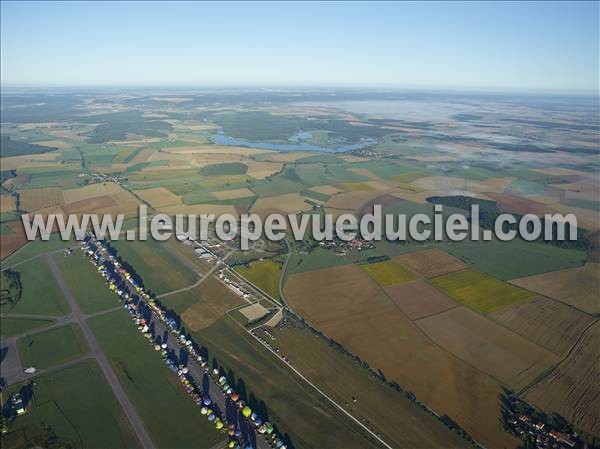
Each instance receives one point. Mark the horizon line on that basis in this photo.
(305, 87)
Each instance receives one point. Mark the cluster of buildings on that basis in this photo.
(341, 248)
(540, 434)
(522, 420)
(142, 308)
(235, 287)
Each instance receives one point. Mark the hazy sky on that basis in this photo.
(474, 45)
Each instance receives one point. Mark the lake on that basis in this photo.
(221, 139)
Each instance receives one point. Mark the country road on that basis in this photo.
(207, 275)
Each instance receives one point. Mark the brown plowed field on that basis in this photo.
(492, 348)
(418, 299)
(573, 389)
(348, 307)
(430, 263)
(550, 324)
(579, 287)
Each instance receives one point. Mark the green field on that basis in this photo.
(41, 295)
(287, 181)
(514, 259)
(388, 273)
(226, 168)
(79, 406)
(53, 347)
(291, 403)
(160, 270)
(322, 258)
(318, 258)
(86, 284)
(16, 326)
(321, 174)
(264, 274)
(37, 247)
(400, 422)
(170, 416)
(478, 291)
(42, 177)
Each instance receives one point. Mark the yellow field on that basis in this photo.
(159, 197)
(352, 200)
(199, 209)
(36, 199)
(260, 170)
(7, 203)
(30, 160)
(90, 191)
(288, 156)
(327, 189)
(356, 186)
(388, 273)
(410, 187)
(264, 274)
(100, 198)
(480, 292)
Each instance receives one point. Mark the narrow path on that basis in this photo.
(32, 317)
(283, 273)
(95, 349)
(22, 376)
(207, 275)
(30, 258)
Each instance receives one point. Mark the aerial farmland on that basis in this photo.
(250, 297)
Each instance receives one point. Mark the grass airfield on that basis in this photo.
(530, 301)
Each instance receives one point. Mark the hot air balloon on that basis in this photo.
(268, 428)
(246, 411)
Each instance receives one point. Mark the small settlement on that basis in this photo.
(522, 420)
